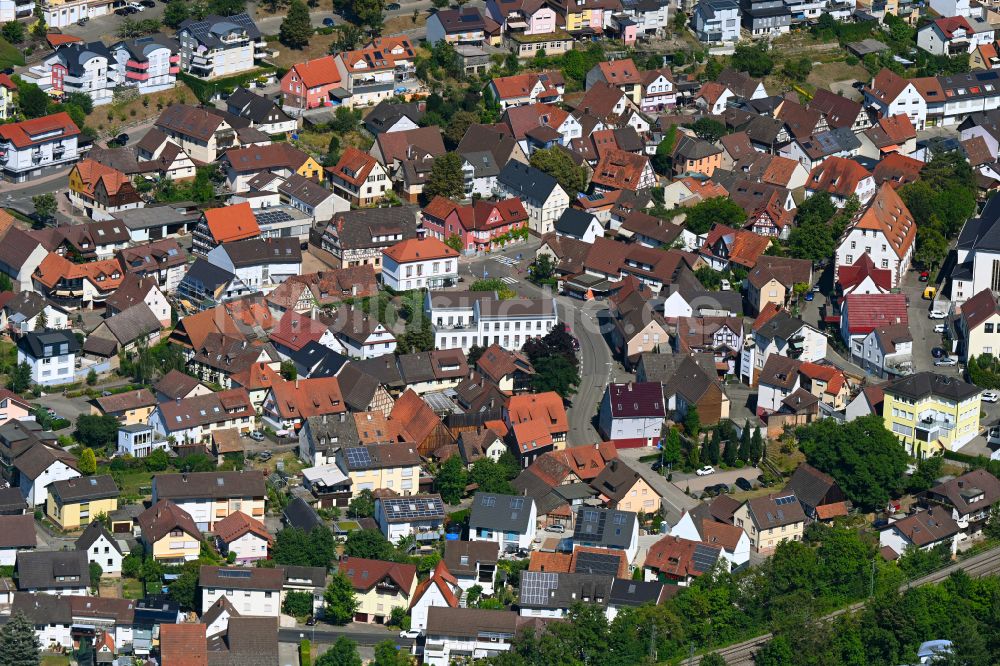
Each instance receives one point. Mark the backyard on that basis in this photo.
(110, 119)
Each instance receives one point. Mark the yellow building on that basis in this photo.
(7, 88)
(131, 407)
(929, 412)
(624, 490)
(169, 533)
(770, 520)
(311, 169)
(379, 587)
(75, 502)
(392, 466)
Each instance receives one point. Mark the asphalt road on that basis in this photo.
(327, 634)
(598, 368)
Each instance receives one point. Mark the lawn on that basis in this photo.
(135, 482)
(55, 660)
(10, 55)
(824, 74)
(131, 588)
(319, 46)
(110, 119)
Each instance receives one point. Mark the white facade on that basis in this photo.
(11, 10)
(52, 635)
(811, 341)
(439, 649)
(140, 441)
(869, 354)
(36, 491)
(248, 547)
(262, 276)
(873, 243)
(66, 14)
(738, 556)
(466, 326)
(909, 102)
(717, 21)
(235, 54)
(769, 397)
(951, 7)
(155, 70)
(521, 539)
(47, 150)
(542, 213)
(379, 343)
(429, 273)
(255, 603)
(932, 39)
(106, 554)
(432, 597)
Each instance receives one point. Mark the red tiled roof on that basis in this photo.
(865, 312)
(619, 72)
(547, 407)
(979, 308)
(39, 130)
(897, 170)
(886, 86)
(295, 330)
(354, 166)
(620, 170)
(674, 556)
(888, 215)
(440, 578)
(745, 247)
(302, 398)
(855, 274)
(949, 25)
(232, 223)
(419, 249)
(836, 175)
(365, 574)
(828, 511)
(236, 524)
(318, 72)
(183, 644)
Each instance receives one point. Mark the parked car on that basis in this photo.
(147, 3)
(991, 396)
(946, 362)
(924, 276)
(311, 621)
(810, 296)
(706, 470)
(83, 21)
(328, 22)
(938, 352)
(392, 7)
(105, 394)
(936, 314)
(264, 456)
(940, 328)
(410, 633)
(256, 436)
(136, 6)
(743, 484)
(557, 528)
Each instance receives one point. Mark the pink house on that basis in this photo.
(530, 17)
(478, 226)
(12, 407)
(307, 85)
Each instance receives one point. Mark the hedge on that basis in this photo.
(974, 462)
(305, 652)
(206, 90)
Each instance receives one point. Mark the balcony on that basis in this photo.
(933, 427)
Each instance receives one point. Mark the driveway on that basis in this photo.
(696, 483)
(675, 501)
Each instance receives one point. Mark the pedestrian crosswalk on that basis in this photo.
(507, 261)
(508, 280)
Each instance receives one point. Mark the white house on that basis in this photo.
(884, 230)
(780, 334)
(696, 526)
(633, 411)
(260, 263)
(887, 350)
(195, 419)
(457, 633)
(717, 21)
(575, 223)
(149, 64)
(102, 548)
(419, 263)
(52, 619)
(219, 45)
(59, 573)
(658, 91)
(778, 379)
(209, 497)
(311, 198)
(890, 94)
(543, 198)
(11, 10)
(472, 563)
(923, 530)
(51, 355)
(507, 520)
(440, 590)
(419, 516)
(78, 68)
(243, 536)
(139, 440)
(31, 147)
(607, 528)
(462, 319)
(362, 334)
(954, 35)
(252, 591)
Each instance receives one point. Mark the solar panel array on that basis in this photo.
(358, 457)
(704, 557)
(517, 503)
(597, 563)
(234, 573)
(591, 523)
(488, 501)
(536, 587)
(272, 217)
(784, 500)
(414, 509)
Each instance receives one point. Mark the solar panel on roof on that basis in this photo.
(536, 586)
(704, 557)
(784, 500)
(405, 508)
(358, 457)
(234, 573)
(597, 563)
(489, 501)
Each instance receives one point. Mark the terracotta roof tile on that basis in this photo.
(39, 130)
(318, 72)
(419, 249)
(232, 223)
(887, 214)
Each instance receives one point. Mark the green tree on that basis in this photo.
(717, 210)
(709, 278)
(289, 371)
(729, 453)
(348, 38)
(753, 58)
(814, 241)
(709, 129)
(297, 604)
(5, 283)
(556, 373)
(671, 447)
(543, 268)
(344, 652)
(692, 421)
(19, 645)
(446, 178)
(744, 451)
(557, 163)
(226, 7)
(932, 247)
(454, 242)
(490, 477)
(20, 378)
(369, 12)
(91, 377)
(451, 480)
(866, 459)
(339, 601)
(87, 462)
(96, 431)
(663, 160)
(296, 28)
(926, 475)
(756, 447)
(710, 453)
(797, 69)
(96, 571)
(362, 506)
(156, 461)
(184, 589)
(387, 654)
(45, 206)
(13, 32)
(369, 544)
(776, 652)
(176, 12)
(459, 125)
(712, 660)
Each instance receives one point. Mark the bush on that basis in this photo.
(305, 652)
(298, 604)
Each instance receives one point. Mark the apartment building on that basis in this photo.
(149, 64)
(219, 46)
(31, 147)
(208, 497)
(463, 319)
(373, 72)
(379, 587)
(51, 355)
(195, 419)
(928, 412)
(418, 264)
(252, 591)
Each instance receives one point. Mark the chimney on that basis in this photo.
(296, 383)
(178, 399)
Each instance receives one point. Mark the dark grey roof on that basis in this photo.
(132, 324)
(43, 609)
(333, 431)
(141, 47)
(258, 251)
(461, 557)
(527, 181)
(17, 532)
(539, 589)
(84, 488)
(259, 110)
(386, 114)
(28, 304)
(209, 484)
(48, 343)
(95, 531)
(574, 222)
(11, 500)
(308, 191)
(298, 513)
(605, 527)
(980, 233)
(76, 55)
(469, 622)
(483, 163)
(693, 148)
(626, 592)
(416, 368)
(923, 384)
(207, 276)
(211, 29)
(361, 226)
(688, 375)
(501, 513)
(782, 325)
(41, 569)
(247, 641)
(318, 360)
(383, 368)
(810, 485)
(295, 575)
(357, 387)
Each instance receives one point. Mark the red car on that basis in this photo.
(924, 276)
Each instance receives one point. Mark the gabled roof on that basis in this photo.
(319, 72)
(979, 309)
(837, 109)
(865, 312)
(423, 141)
(501, 513)
(365, 574)
(864, 267)
(744, 247)
(777, 510)
(238, 524)
(886, 86)
(419, 249)
(972, 491)
(780, 371)
(619, 72)
(37, 131)
(17, 532)
(923, 384)
(164, 517)
(443, 580)
(354, 166)
(547, 407)
(682, 558)
(837, 175)
(232, 223)
(926, 527)
(52, 569)
(303, 398)
(887, 214)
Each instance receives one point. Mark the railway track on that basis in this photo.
(983, 564)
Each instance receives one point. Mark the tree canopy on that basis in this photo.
(557, 163)
(866, 460)
(296, 28)
(717, 210)
(19, 645)
(340, 602)
(446, 178)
